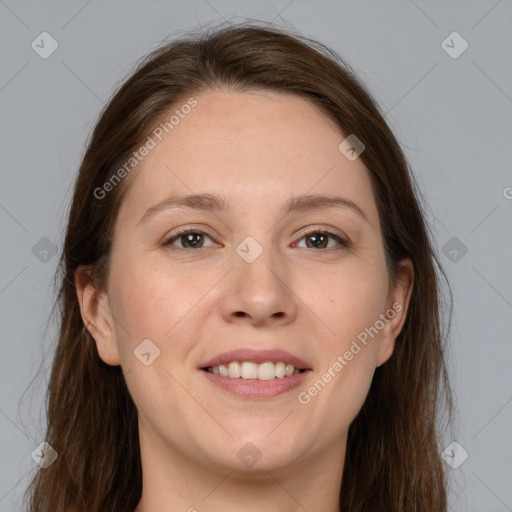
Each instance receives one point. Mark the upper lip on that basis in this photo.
(257, 356)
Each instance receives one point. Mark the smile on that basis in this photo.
(249, 370)
(256, 374)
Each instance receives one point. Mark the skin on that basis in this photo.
(257, 149)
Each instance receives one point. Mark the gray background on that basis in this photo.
(452, 116)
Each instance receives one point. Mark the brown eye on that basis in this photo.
(320, 240)
(188, 239)
(317, 240)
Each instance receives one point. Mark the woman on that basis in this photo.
(250, 306)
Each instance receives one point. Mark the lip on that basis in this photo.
(253, 388)
(257, 356)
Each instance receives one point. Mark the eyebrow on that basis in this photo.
(218, 203)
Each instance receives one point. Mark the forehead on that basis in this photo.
(256, 147)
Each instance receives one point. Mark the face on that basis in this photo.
(264, 271)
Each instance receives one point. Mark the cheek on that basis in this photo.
(152, 305)
(145, 308)
(347, 300)
(350, 303)
(339, 388)
(152, 300)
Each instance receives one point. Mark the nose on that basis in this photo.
(260, 293)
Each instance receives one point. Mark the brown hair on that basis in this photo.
(393, 458)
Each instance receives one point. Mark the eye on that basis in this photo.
(315, 239)
(320, 239)
(190, 239)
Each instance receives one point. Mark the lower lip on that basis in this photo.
(254, 388)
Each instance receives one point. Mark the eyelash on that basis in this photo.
(314, 231)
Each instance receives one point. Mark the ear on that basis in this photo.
(395, 314)
(96, 315)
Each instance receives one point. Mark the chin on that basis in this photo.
(256, 464)
(253, 452)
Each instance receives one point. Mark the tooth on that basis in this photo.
(234, 370)
(289, 370)
(249, 371)
(266, 371)
(280, 369)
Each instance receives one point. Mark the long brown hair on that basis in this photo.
(393, 460)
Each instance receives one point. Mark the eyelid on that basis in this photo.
(343, 240)
(175, 235)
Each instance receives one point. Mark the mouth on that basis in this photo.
(256, 373)
(248, 370)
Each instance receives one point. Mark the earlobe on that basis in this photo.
(95, 311)
(396, 310)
